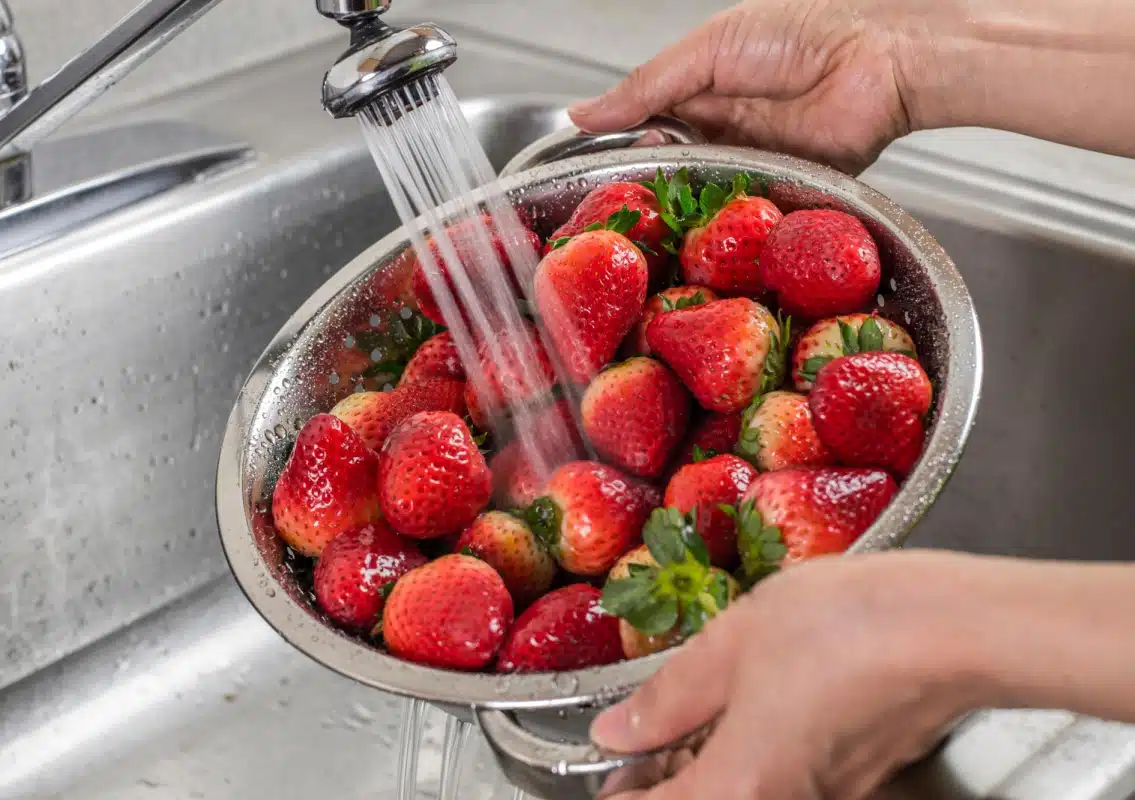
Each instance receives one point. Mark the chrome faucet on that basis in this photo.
(380, 58)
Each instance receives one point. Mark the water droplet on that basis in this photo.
(566, 682)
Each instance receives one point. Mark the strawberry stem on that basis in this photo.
(545, 517)
(761, 546)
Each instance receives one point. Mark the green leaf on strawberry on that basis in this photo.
(392, 345)
(870, 337)
(696, 299)
(622, 221)
(545, 517)
(749, 442)
(760, 546)
(811, 367)
(697, 454)
(776, 362)
(683, 592)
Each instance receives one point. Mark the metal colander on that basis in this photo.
(311, 362)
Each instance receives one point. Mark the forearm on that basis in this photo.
(1061, 70)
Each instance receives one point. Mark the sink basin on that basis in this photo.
(133, 667)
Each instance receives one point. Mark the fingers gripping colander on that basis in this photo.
(527, 718)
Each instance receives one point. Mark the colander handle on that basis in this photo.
(565, 771)
(572, 142)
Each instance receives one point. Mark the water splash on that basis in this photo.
(409, 745)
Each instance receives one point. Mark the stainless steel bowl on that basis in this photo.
(527, 718)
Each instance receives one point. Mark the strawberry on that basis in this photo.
(821, 263)
(637, 644)
(712, 435)
(844, 336)
(373, 415)
(727, 351)
(452, 613)
(725, 238)
(649, 232)
(436, 358)
(590, 292)
(465, 236)
(387, 344)
(356, 571)
(564, 630)
(509, 546)
(703, 487)
(777, 433)
(680, 591)
(589, 515)
(516, 370)
(636, 413)
(432, 478)
(868, 409)
(553, 430)
(515, 482)
(793, 515)
(666, 300)
(327, 486)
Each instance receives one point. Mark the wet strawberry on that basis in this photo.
(725, 240)
(635, 414)
(517, 371)
(327, 486)
(589, 515)
(777, 432)
(516, 482)
(666, 300)
(356, 571)
(466, 236)
(649, 232)
(675, 594)
(509, 546)
(821, 263)
(844, 336)
(373, 415)
(637, 644)
(452, 613)
(726, 352)
(590, 292)
(793, 515)
(710, 436)
(703, 487)
(868, 409)
(564, 630)
(432, 478)
(436, 358)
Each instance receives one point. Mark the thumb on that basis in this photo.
(679, 72)
(688, 691)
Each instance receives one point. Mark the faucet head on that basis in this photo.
(349, 11)
(382, 59)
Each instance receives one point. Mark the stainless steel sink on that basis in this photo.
(132, 665)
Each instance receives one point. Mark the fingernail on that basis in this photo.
(616, 728)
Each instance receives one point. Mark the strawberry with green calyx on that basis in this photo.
(777, 432)
(508, 545)
(622, 221)
(776, 362)
(516, 371)
(391, 345)
(701, 488)
(793, 515)
(436, 358)
(845, 336)
(682, 592)
(373, 415)
(672, 299)
(637, 644)
(713, 435)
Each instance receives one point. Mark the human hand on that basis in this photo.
(823, 681)
(822, 79)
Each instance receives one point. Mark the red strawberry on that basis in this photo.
(590, 293)
(777, 432)
(452, 613)
(517, 371)
(704, 487)
(713, 435)
(844, 336)
(432, 478)
(821, 263)
(868, 409)
(509, 546)
(637, 644)
(590, 515)
(436, 358)
(666, 300)
(465, 235)
(673, 594)
(553, 430)
(727, 352)
(564, 630)
(795, 514)
(373, 415)
(356, 571)
(635, 413)
(649, 231)
(724, 244)
(327, 486)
